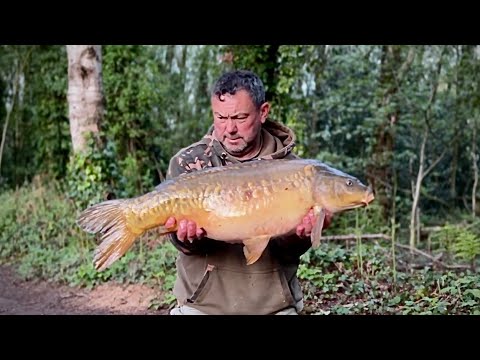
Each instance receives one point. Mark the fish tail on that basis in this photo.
(108, 218)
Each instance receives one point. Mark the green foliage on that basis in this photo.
(132, 180)
(92, 174)
(338, 99)
(38, 138)
(368, 220)
(334, 283)
(467, 246)
(37, 223)
(38, 233)
(463, 242)
(261, 59)
(444, 239)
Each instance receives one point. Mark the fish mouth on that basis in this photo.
(369, 197)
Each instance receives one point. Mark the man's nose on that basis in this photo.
(231, 126)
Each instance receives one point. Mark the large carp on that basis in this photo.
(250, 202)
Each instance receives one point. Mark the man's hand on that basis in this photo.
(305, 228)
(187, 229)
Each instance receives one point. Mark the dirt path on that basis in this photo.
(19, 297)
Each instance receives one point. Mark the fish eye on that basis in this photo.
(349, 182)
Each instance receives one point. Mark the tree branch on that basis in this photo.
(355, 237)
(405, 66)
(420, 252)
(437, 160)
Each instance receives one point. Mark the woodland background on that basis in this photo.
(404, 119)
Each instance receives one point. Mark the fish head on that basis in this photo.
(338, 191)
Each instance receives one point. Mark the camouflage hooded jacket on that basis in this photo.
(211, 275)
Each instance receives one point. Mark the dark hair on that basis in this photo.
(236, 80)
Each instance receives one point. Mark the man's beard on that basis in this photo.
(235, 149)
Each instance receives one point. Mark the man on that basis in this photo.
(212, 276)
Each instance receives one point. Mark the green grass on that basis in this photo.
(39, 236)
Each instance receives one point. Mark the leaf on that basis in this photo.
(465, 280)
(394, 301)
(474, 292)
(449, 289)
(469, 303)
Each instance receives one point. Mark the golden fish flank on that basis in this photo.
(249, 203)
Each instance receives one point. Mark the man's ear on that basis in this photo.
(264, 110)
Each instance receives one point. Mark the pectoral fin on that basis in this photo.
(318, 226)
(254, 247)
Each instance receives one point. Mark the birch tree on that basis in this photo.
(423, 171)
(85, 92)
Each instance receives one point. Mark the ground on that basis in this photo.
(18, 297)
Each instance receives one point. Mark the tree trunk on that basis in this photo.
(454, 167)
(85, 93)
(474, 166)
(392, 72)
(271, 78)
(422, 172)
(9, 113)
(23, 57)
(416, 191)
(320, 52)
(455, 145)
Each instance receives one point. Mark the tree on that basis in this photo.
(85, 92)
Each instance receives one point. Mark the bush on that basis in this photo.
(39, 234)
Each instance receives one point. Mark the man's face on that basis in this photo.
(237, 122)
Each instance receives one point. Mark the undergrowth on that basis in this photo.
(38, 235)
(335, 282)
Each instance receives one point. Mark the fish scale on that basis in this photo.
(250, 202)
